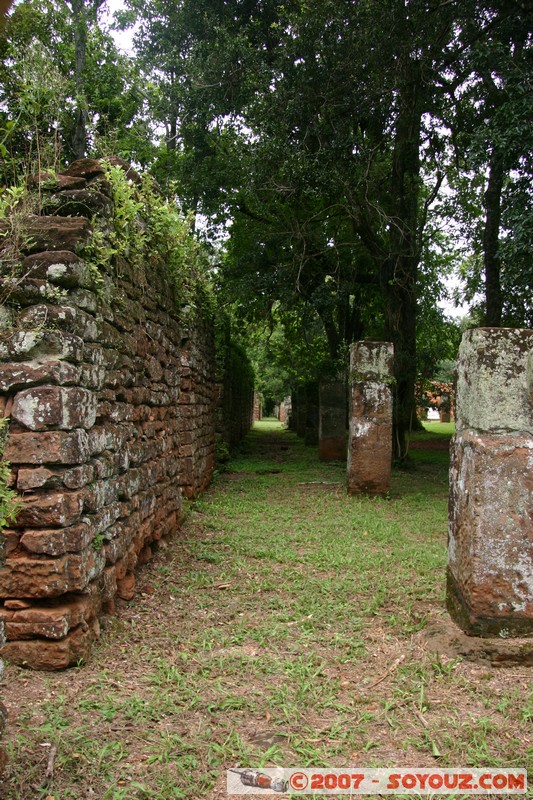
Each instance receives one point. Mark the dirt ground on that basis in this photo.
(285, 625)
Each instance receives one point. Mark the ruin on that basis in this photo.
(333, 419)
(370, 434)
(490, 553)
(111, 389)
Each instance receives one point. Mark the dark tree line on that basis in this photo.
(350, 150)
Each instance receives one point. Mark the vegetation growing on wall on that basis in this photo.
(148, 229)
(9, 501)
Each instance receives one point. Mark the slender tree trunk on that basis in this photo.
(172, 134)
(491, 241)
(79, 136)
(400, 269)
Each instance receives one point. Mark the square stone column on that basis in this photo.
(333, 398)
(370, 434)
(285, 410)
(490, 542)
(257, 408)
(301, 411)
(311, 414)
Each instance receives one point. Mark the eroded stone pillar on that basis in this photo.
(490, 550)
(370, 434)
(257, 408)
(293, 411)
(311, 414)
(333, 419)
(301, 411)
(285, 410)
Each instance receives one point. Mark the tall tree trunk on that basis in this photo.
(79, 135)
(491, 241)
(400, 269)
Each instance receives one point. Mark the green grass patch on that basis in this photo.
(284, 625)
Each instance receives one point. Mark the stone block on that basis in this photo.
(9, 542)
(85, 202)
(51, 508)
(51, 621)
(55, 233)
(126, 587)
(62, 268)
(48, 182)
(19, 376)
(48, 447)
(312, 415)
(42, 654)
(494, 391)
(490, 544)
(87, 168)
(33, 577)
(39, 478)
(39, 344)
(100, 494)
(71, 539)
(78, 477)
(45, 407)
(371, 361)
(27, 576)
(66, 317)
(131, 173)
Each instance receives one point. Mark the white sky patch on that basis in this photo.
(453, 282)
(123, 39)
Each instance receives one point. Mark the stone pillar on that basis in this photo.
(293, 413)
(257, 413)
(285, 410)
(370, 435)
(490, 543)
(312, 415)
(301, 411)
(333, 419)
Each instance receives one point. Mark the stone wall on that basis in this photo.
(111, 399)
(2, 707)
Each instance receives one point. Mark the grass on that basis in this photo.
(283, 626)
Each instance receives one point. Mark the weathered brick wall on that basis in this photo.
(111, 405)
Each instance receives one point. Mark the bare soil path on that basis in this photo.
(287, 624)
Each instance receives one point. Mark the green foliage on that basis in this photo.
(9, 499)
(98, 542)
(148, 230)
(42, 94)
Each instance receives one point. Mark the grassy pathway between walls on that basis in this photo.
(285, 625)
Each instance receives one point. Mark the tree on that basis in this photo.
(54, 114)
(314, 129)
(493, 108)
